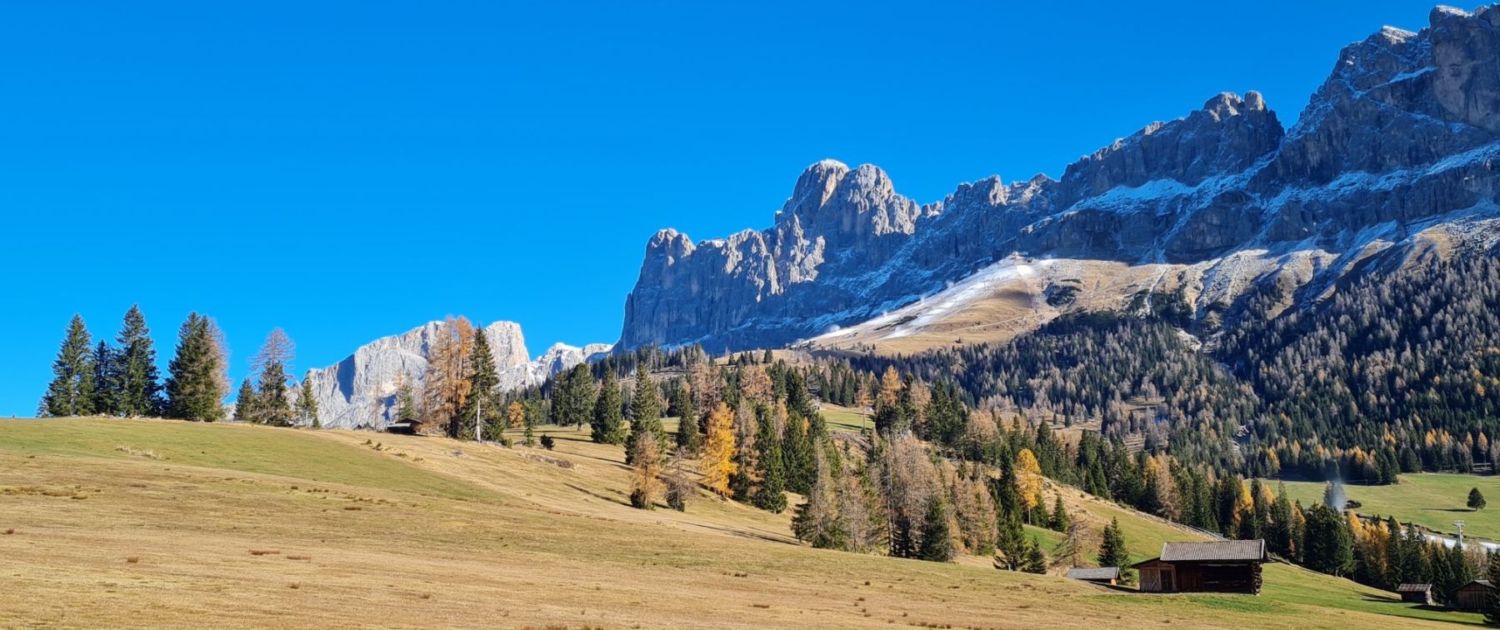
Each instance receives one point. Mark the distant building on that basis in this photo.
(1416, 593)
(1105, 575)
(405, 427)
(1473, 596)
(1229, 566)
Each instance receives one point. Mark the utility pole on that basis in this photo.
(1460, 525)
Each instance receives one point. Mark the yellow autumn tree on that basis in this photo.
(446, 383)
(1028, 478)
(515, 415)
(718, 456)
(890, 385)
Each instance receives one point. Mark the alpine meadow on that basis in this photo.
(1239, 369)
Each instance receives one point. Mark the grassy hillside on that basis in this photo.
(1429, 500)
(171, 525)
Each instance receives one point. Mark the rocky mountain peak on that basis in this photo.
(1405, 131)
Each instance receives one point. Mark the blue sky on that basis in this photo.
(351, 170)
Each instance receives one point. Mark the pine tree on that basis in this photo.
(273, 404)
(1328, 546)
(797, 455)
(406, 400)
(106, 399)
(245, 405)
(609, 423)
(139, 381)
(688, 435)
(71, 391)
(196, 386)
(1035, 559)
(573, 397)
(1059, 521)
(645, 413)
(1113, 552)
(307, 404)
(482, 407)
(937, 537)
(770, 493)
(1476, 500)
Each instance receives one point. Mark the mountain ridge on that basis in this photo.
(1403, 130)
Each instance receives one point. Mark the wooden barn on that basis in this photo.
(1228, 566)
(405, 427)
(1473, 596)
(1416, 593)
(1105, 575)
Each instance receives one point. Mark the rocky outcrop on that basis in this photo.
(1405, 132)
(361, 391)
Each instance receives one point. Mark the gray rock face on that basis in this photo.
(1404, 132)
(361, 391)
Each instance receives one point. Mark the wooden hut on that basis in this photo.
(1473, 596)
(1416, 593)
(1104, 575)
(1228, 566)
(405, 427)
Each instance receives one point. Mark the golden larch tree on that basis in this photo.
(1028, 478)
(718, 456)
(446, 383)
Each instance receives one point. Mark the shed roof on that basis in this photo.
(1484, 583)
(1222, 550)
(1102, 573)
(1413, 588)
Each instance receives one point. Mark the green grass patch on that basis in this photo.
(1430, 500)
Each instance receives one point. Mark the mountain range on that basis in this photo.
(1393, 159)
(361, 391)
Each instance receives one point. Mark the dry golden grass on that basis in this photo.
(470, 536)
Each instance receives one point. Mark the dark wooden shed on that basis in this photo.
(405, 427)
(1103, 575)
(1229, 566)
(1416, 593)
(1473, 596)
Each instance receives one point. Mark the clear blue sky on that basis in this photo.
(352, 170)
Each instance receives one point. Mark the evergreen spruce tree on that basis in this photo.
(1059, 521)
(307, 404)
(609, 422)
(106, 380)
(406, 402)
(1113, 552)
(645, 412)
(770, 494)
(1329, 547)
(245, 408)
(797, 455)
(1035, 559)
(937, 539)
(273, 402)
(194, 390)
(689, 435)
(138, 379)
(482, 415)
(1011, 541)
(71, 392)
(1476, 500)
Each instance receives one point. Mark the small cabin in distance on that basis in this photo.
(1472, 596)
(407, 426)
(1416, 593)
(1104, 575)
(1228, 566)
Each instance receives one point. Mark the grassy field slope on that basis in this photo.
(1430, 500)
(111, 523)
